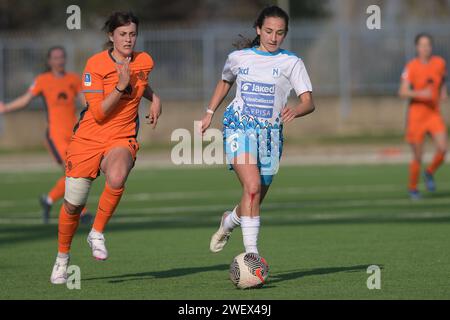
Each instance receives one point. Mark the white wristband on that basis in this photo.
(209, 111)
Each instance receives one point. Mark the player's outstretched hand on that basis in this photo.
(154, 113)
(205, 123)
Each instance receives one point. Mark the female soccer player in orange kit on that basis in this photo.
(423, 83)
(114, 81)
(59, 90)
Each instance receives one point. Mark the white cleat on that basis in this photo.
(59, 273)
(96, 241)
(220, 238)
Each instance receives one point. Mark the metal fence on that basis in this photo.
(341, 61)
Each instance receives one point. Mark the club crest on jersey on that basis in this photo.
(87, 79)
(141, 75)
(275, 72)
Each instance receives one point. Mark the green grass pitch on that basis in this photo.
(322, 226)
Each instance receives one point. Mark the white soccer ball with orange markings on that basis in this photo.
(249, 270)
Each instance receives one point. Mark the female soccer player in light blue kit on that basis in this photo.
(253, 122)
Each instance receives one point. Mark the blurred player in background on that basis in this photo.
(264, 74)
(423, 83)
(114, 81)
(59, 89)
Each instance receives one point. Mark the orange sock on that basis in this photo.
(58, 189)
(437, 161)
(68, 224)
(108, 202)
(414, 171)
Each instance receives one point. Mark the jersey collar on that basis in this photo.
(425, 63)
(62, 75)
(114, 60)
(265, 53)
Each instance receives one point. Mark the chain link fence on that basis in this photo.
(341, 61)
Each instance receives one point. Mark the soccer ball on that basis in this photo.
(249, 270)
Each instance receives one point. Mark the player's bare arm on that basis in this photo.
(306, 106)
(19, 103)
(222, 89)
(155, 110)
(405, 92)
(82, 98)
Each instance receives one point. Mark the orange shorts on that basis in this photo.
(57, 146)
(419, 124)
(85, 156)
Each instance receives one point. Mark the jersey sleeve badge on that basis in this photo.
(87, 80)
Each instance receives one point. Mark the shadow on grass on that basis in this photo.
(295, 274)
(274, 279)
(437, 194)
(171, 273)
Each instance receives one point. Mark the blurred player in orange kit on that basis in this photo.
(423, 83)
(114, 82)
(59, 89)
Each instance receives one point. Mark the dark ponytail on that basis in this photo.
(118, 19)
(271, 11)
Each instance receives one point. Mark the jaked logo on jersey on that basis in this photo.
(259, 98)
(87, 79)
(257, 87)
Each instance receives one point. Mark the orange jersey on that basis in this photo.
(99, 79)
(59, 95)
(421, 76)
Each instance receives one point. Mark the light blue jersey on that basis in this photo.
(252, 122)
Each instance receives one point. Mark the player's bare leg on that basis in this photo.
(247, 210)
(230, 220)
(116, 166)
(250, 179)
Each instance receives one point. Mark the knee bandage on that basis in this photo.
(77, 190)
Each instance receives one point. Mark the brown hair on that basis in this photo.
(118, 19)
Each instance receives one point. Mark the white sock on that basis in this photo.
(250, 230)
(95, 232)
(63, 256)
(231, 221)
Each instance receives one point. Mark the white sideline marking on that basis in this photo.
(138, 197)
(298, 217)
(143, 197)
